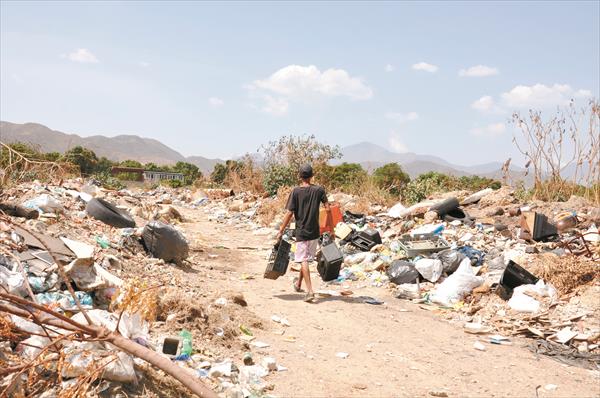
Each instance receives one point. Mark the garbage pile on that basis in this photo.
(470, 258)
(83, 271)
(498, 267)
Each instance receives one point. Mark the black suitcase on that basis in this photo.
(367, 239)
(278, 260)
(329, 262)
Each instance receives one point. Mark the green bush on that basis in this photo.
(391, 178)
(222, 171)
(277, 176)
(190, 172)
(108, 181)
(84, 158)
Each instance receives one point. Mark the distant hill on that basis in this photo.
(117, 148)
(146, 150)
(371, 156)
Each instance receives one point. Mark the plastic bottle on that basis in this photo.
(186, 345)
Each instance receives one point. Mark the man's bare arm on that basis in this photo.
(285, 223)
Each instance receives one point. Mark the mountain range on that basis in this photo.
(117, 148)
(145, 150)
(371, 156)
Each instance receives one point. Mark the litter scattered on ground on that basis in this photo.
(498, 268)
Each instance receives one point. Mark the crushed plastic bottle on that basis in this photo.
(186, 344)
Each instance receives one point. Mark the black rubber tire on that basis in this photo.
(445, 206)
(109, 214)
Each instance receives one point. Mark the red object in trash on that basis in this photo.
(329, 219)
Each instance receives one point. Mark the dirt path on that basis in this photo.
(395, 349)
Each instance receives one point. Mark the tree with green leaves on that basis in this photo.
(131, 163)
(391, 177)
(84, 158)
(190, 172)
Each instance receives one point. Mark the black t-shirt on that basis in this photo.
(304, 201)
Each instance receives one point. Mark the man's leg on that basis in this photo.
(305, 273)
(299, 284)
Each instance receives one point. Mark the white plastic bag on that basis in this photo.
(396, 211)
(14, 282)
(521, 301)
(45, 203)
(457, 285)
(429, 269)
(81, 358)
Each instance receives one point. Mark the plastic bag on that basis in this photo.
(65, 300)
(165, 242)
(45, 203)
(457, 285)
(40, 284)
(475, 255)
(82, 357)
(430, 269)
(407, 291)
(522, 302)
(402, 272)
(450, 259)
(396, 211)
(14, 282)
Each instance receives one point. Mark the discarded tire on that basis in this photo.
(165, 242)
(109, 214)
(445, 206)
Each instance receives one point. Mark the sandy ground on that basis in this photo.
(395, 349)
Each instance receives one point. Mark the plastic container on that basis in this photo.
(278, 260)
(329, 219)
(415, 245)
(186, 343)
(367, 239)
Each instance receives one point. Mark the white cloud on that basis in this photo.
(491, 130)
(484, 104)
(297, 82)
(144, 64)
(216, 102)
(424, 66)
(478, 71)
(83, 55)
(275, 106)
(540, 96)
(402, 117)
(396, 143)
(389, 68)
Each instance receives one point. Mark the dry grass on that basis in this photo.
(566, 273)
(272, 207)
(248, 178)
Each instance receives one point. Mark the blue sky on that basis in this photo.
(219, 80)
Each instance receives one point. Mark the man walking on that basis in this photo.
(303, 204)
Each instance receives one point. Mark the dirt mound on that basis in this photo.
(218, 319)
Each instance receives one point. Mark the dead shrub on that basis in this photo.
(270, 208)
(566, 273)
(246, 178)
(568, 141)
